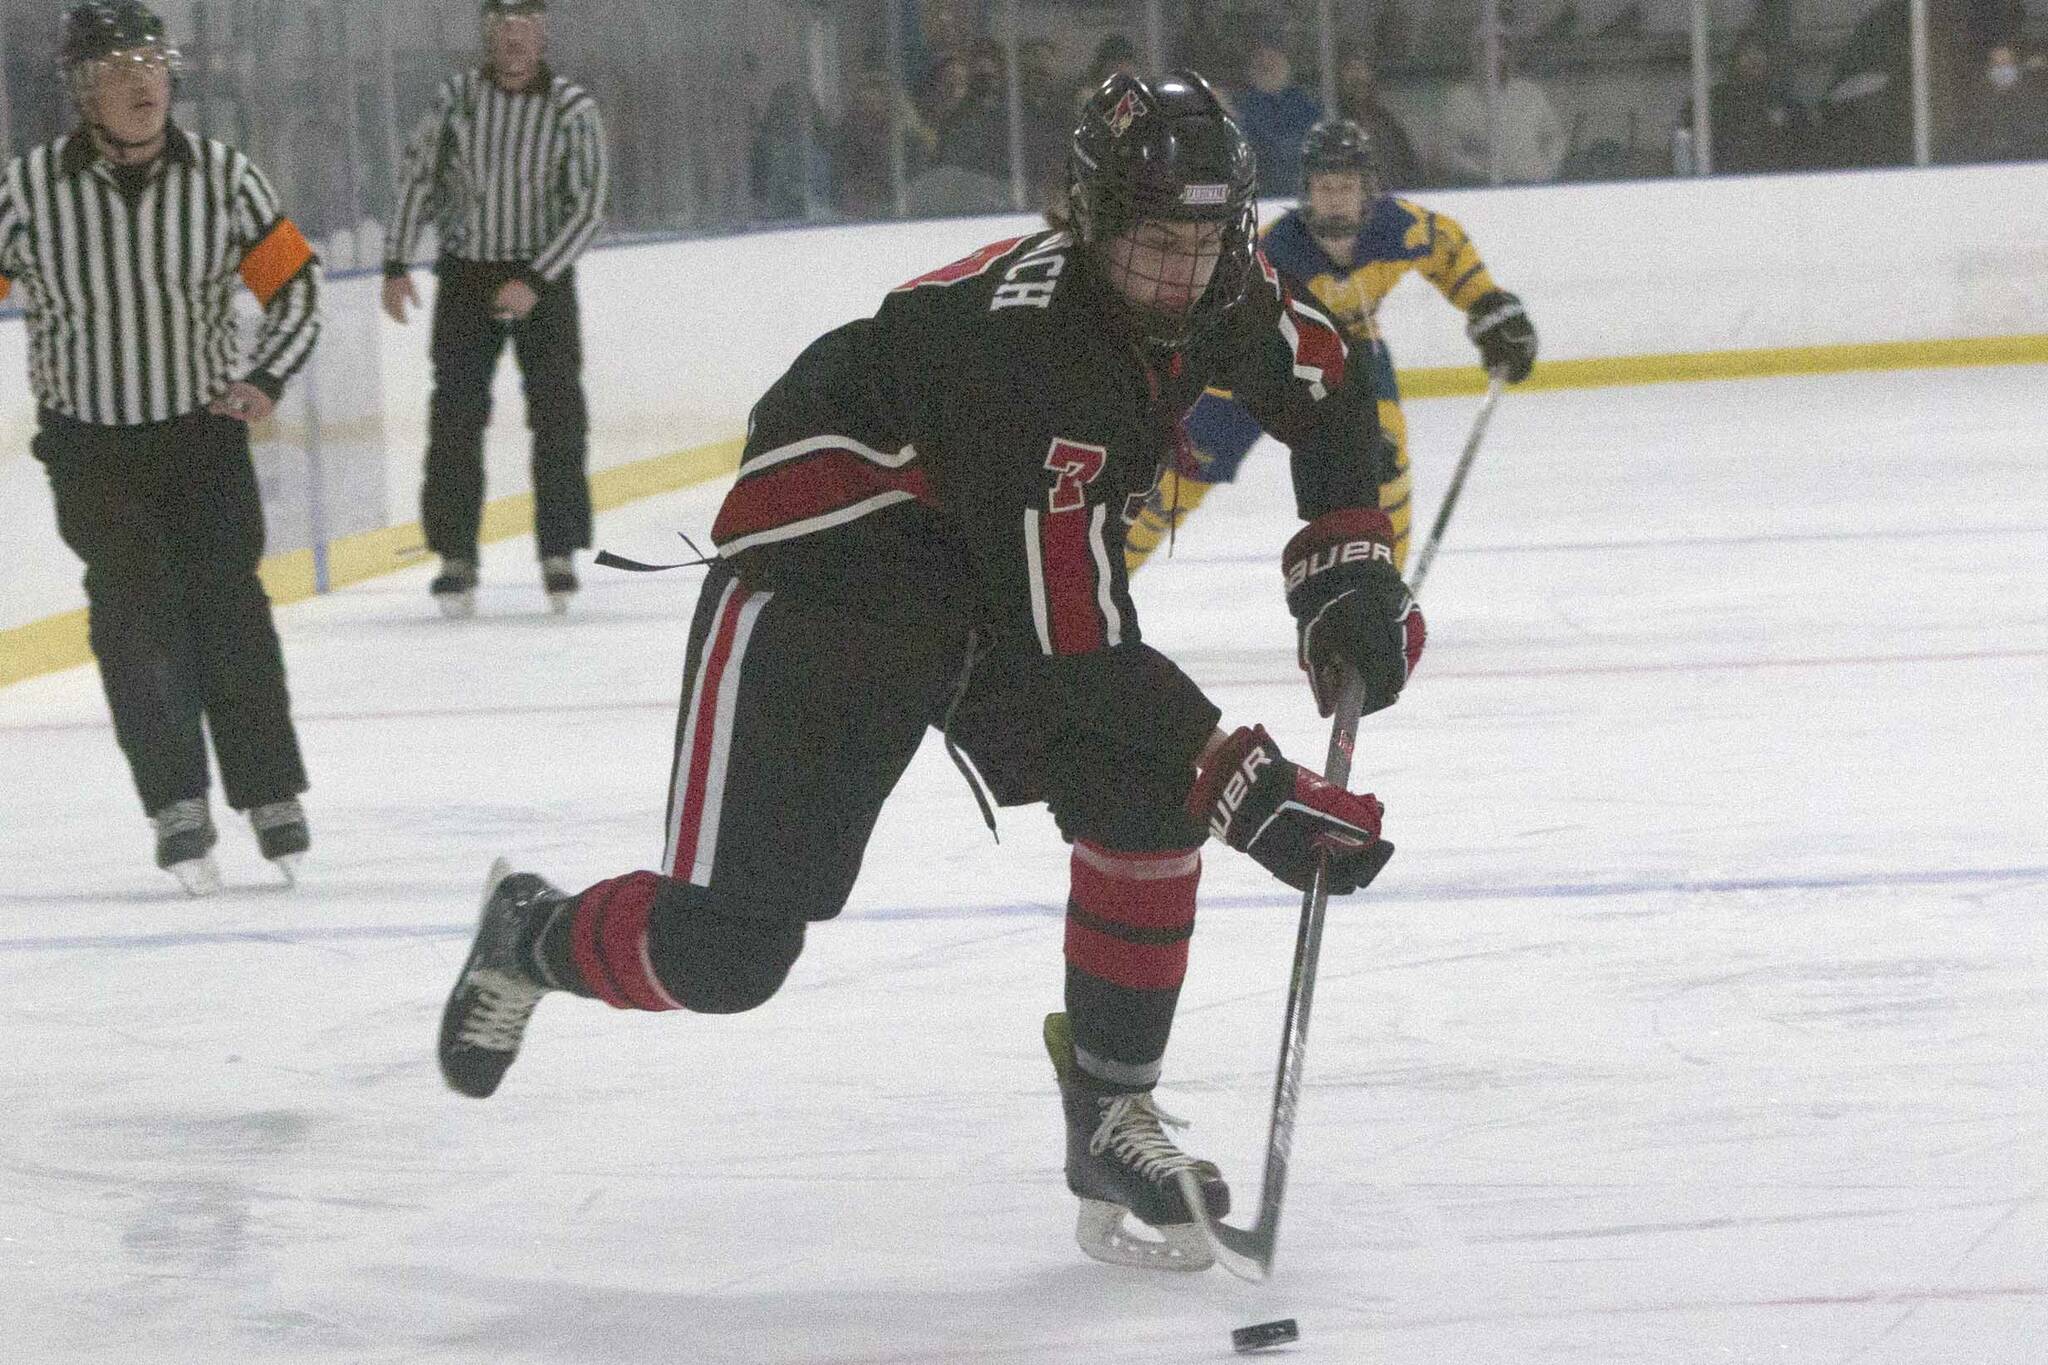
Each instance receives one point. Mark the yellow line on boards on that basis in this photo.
(58, 642)
(1690, 367)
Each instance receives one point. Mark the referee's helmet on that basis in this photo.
(104, 27)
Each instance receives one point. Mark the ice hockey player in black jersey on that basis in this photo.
(927, 530)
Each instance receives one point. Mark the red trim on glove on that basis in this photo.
(1331, 528)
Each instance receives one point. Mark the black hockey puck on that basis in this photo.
(1260, 1335)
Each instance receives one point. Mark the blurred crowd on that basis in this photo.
(856, 109)
(1775, 104)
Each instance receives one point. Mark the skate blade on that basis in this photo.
(456, 606)
(198, 876)
(558, 602)
(501, 868)
(1101, 1232)
(288, 863)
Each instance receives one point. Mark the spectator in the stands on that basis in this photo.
(1755, 121)
(1112, 55)
(1866, 107)
(790, 160)
(944, 96)
(1358, 99)
(861, 174)
(2005, 112)
(1048, 117)
(1532, 136)
(932, 29)
(974, 129)
(1275, 112)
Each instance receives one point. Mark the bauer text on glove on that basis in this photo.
(1352, 612)
(1283, 815)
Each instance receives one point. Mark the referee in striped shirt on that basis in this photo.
(124, 239)
(512, 167)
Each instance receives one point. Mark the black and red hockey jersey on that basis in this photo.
(970, 457)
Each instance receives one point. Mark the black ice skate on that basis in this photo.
(558, 580)
(454, 589)
(494, 997)
(184, 844)
(282, 834)
(1120, 1160)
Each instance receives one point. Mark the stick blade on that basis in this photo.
(1245, 1252)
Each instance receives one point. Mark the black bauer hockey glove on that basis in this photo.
(1351, 609)
(1284, 815)
(1501, 329)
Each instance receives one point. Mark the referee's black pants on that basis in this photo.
(548, 347)
(169, 523)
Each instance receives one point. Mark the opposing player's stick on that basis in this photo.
(1248, 1252)
(1443, 513)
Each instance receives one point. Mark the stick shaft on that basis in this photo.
(1301, 990)
(1450, 502)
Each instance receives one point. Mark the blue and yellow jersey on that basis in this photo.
(1396, 237)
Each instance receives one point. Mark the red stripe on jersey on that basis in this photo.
(697, 766)
(1073, 613)
(825, 481)
(1317, 344)
(1272, 276)
(608, 941)
(966, 268)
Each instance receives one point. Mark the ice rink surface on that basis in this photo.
(1700, 1018)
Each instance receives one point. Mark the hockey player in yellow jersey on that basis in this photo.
(1350, 243)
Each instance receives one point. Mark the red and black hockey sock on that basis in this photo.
(596, 945)
(1129, 919)
(648, 942)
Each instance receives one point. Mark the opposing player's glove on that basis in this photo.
(1351, 609)
(1284, 815)
(1503, 333)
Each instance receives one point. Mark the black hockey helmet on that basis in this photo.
(1338, 145)
(103, 27)
(1165, 149)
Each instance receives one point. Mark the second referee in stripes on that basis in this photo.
(511, 166)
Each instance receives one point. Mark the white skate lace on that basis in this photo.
(498, 1011)
(1130, 1129)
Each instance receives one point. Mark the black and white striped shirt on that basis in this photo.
(507, 176)
(128, 278)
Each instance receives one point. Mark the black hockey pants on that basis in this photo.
(170, 526)
(796, 724)
(548, 347)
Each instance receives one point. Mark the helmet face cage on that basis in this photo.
(1338, 146)
(1157, 154)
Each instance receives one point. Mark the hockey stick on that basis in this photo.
(1248, 1252)
(1443, 513)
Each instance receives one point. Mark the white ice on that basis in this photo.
(1699, 1018)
